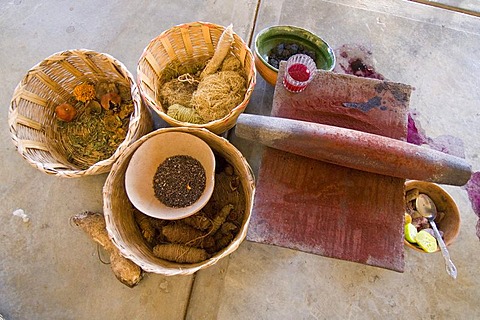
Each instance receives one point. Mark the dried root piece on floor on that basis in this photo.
(184, 234)
(179, 253)
(125, 270)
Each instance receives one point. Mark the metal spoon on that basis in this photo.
(427, 208)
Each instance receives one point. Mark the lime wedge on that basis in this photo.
(410, 232)
(426, 241)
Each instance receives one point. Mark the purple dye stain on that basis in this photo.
(444, 143)
(414, 135)
(473, 191)
(356, 60)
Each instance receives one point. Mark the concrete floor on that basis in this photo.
(51, 270)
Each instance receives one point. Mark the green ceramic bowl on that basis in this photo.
(270, 37)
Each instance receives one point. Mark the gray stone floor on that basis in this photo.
(51, 270)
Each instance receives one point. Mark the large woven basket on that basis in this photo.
(33, 126)
(189, 43)
(118, 210)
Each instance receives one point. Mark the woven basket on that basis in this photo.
(32, 121)
(118, 210)
(188, 43)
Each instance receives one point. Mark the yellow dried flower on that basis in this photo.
(84, 92)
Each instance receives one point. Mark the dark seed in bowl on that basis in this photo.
(283, 51)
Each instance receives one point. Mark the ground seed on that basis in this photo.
(179, 181)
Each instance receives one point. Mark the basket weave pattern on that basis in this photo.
(32, 121)
(188, 43)
(118, 210)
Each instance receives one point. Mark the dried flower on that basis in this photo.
(84, 92)
(65, 112)
(111, 101)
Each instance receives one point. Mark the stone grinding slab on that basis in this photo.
(326, 209)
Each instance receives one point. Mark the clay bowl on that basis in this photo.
(450, 222)
(144, 164)
(270, 37)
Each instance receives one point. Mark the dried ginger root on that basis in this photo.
(179, 253)
(125, 270)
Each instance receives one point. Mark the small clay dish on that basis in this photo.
(449, 221)
(139, 175)
(269, 38)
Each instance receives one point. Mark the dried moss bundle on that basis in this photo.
(177, 92)
(219, 93)
(185, 114)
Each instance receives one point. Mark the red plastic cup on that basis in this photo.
(299, 71)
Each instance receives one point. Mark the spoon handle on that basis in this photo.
(451, 269)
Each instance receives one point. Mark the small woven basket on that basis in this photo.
(118, 209)
(190, 43)
(32, 120)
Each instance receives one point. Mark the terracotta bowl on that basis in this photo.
(270, 37)
(450, 222)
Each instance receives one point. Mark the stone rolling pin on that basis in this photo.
(354, 149)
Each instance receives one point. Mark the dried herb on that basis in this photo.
(95, 133)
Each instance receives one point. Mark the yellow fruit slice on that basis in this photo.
(426, 241)
(408, 218)
(410, 232)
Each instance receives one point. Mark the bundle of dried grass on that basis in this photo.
(177, 91)
(218, 93)
(231, 63)
(185, 114)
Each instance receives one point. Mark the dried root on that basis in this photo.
(145, 224)
(179, 253)
(196, 238)
(125, 270)
(198, 221)
(184, 234)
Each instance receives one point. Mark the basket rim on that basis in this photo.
(239, 108)
(103, 165)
